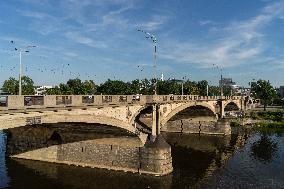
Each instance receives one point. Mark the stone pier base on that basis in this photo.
(198, 126)
(124, 153)
(155, 157)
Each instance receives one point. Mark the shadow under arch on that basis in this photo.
(28, 138)
(143, 119)
(182, 109)
(87, 118)
(54, 139)
(232, 106)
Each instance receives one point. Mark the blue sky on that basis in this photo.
(98, 39)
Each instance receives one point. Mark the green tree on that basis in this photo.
(74, 87)
(89, 87)
(27, 86)
(214, 90)
(113, 87)
(12, 86)
(202, 87)
(168, 87)
(54, 91)
(263, 91)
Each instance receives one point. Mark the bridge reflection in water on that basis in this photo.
(195, 158)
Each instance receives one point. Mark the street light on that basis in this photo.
(154, 41)
(221, 77)
(182, 84)
(24, 49)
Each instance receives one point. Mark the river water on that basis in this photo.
(246, 159)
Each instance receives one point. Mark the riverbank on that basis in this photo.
(262, 120)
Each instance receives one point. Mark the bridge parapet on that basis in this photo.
(14, 102)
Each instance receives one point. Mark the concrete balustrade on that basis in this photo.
(14, 102)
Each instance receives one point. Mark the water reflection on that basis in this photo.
(264, 149)
(3, 170)
(197, 157)
(45, 175)
(198, 161)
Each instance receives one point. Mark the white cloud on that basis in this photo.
(206, 22)
(240, 42)
(155, 23)
(81, 39)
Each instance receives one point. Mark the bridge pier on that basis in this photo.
(222, 109)
(155, 157)
(156, 120)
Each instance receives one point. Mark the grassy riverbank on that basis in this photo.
(262, 120)
(277, 116)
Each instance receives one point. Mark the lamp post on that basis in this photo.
(207, 89)
(154, 41)
(24, 49)
(221, 78)
(182, 84)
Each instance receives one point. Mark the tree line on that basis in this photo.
(114, 87)
(261, 89)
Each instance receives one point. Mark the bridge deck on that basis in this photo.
(13, 103)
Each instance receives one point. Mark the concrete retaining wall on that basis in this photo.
(72, 145)
(199, 127)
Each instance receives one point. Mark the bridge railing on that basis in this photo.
(29, 102)
(3, 101)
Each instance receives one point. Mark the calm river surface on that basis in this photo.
(244, 160)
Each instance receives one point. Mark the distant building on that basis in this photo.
(41, 90)
(281, 91)
(3, 92)
(227, 82)
(162, 78)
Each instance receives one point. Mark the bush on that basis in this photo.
(274, 116)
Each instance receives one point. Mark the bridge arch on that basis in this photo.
(234, 104)
(175, 111)
(134, 116)
(49, 118)
(95, 119)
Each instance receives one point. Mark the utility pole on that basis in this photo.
(154, 41)
(25, 49)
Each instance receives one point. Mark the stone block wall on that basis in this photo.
(81, 147)
(199, 127)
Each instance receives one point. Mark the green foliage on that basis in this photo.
(12, 86)
(264, 91)
(54, 91)
(27, 86)
(268, 126)
(74, 87)
(214, 91)
(274, 116)
(168, 87)
(202, 87)
(235, 124)
(115, 87)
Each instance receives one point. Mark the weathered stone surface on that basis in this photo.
(155, 157)
(82, 146)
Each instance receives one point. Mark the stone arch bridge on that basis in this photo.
(18, 113)
(116, 110)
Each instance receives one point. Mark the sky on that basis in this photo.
(98, 39)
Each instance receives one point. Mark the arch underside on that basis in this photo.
(232, 106)
(70, 118)
(88, 119)
(180, 109)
